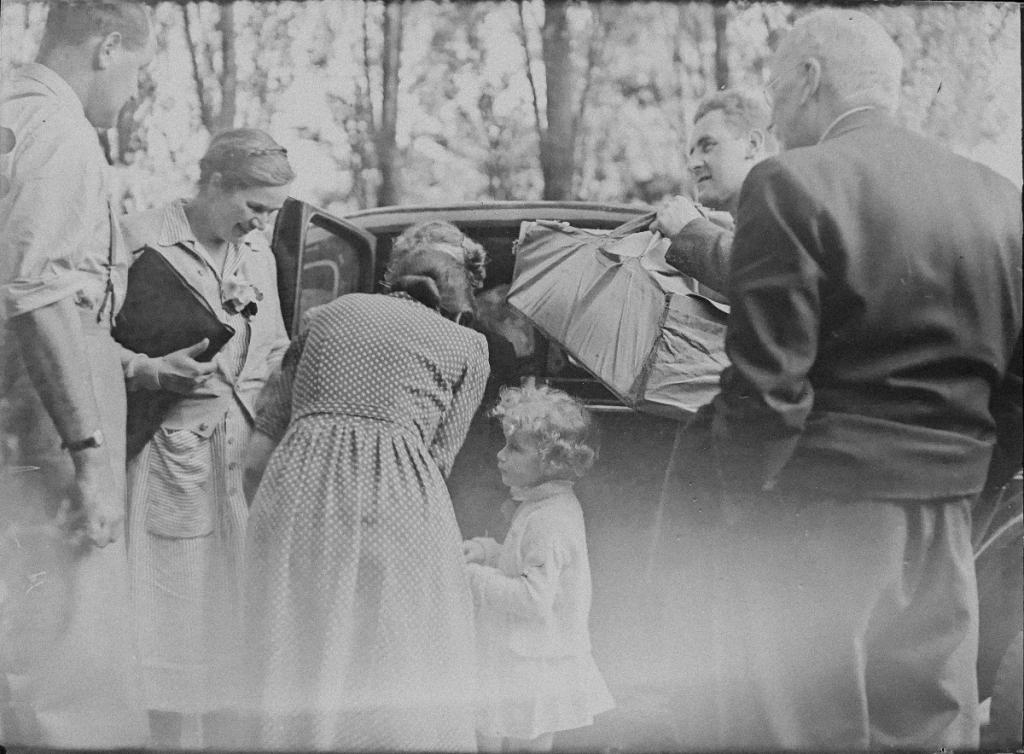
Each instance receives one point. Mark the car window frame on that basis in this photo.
(289, 241)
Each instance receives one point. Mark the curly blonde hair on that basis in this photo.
(443, 236)
(558, 424)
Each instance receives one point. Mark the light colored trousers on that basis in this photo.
(844, 625)
(67, 656)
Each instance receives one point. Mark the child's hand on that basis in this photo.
(472, 552)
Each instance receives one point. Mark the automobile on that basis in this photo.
(321, 256)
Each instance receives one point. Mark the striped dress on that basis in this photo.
(186, 508)
(186, 539)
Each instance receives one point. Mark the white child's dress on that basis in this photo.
(532, 597)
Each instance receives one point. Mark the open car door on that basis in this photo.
(319, 257)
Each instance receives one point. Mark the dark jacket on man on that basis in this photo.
(875, 333)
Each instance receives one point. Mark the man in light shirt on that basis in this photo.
(62, 279)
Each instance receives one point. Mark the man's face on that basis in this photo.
(117, 80)
(719, 160)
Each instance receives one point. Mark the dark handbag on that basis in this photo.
(162, 313)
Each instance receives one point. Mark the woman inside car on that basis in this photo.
(187, 512)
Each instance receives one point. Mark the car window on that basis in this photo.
(331, 267)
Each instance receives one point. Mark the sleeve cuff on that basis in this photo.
(142, 372)
(24, 296)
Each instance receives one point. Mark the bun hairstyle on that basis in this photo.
(435, 279)
(558, 424)
(245, 158)
(444, 236)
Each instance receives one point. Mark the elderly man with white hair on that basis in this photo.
(875, 389)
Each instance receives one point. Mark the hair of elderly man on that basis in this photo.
(73, 22)
(860, 63)
(245, 158)
(443, 236)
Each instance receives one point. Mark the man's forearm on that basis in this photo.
(51, 347)
(703, 251)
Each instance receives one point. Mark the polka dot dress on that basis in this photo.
(360, 612)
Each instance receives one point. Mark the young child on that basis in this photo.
(532, 592)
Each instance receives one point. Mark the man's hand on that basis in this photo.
(180, 373)
(95, 510)
(674, 215)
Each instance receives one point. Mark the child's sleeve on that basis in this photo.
(531, 592)
(491, 549)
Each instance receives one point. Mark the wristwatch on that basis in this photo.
(94, 440)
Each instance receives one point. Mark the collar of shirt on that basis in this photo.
(841, 118)
(176, 231)
(53, 81)
(540, 491)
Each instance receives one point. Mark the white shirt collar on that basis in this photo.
(845, 115)
(541, 491)
(55, 83)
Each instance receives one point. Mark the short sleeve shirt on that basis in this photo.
(58, 236)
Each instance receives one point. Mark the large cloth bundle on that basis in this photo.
(610, 300)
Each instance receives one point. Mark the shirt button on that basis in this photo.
(203, 427)
(231, 441)
(232, 465)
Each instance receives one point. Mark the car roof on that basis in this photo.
(394, 219)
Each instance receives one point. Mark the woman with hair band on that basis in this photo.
(186, 510)
(359, 611)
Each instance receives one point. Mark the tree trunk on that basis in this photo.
(387, 149)
(229, 72)
(720, 19)
(205, 111)
(558, 139)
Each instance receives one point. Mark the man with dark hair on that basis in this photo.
(62, 279)
(730, 135)
(874, 390)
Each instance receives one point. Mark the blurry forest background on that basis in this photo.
(434, 102)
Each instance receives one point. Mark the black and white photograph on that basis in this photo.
(511, 376)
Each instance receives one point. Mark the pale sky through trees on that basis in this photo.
(466, 129)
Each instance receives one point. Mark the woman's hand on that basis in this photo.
(180, 373)
(261, 447)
